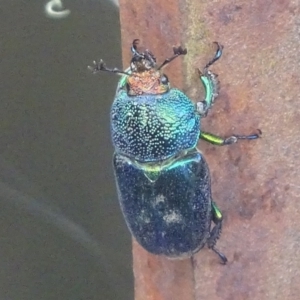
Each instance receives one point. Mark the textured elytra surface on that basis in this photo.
(154, 127)
(171, 215)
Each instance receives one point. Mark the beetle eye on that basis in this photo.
(164, 79)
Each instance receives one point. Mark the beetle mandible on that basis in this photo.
(163, 180)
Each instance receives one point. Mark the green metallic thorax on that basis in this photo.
(153, 128)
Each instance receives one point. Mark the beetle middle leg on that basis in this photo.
(217, 218)
(219, 141)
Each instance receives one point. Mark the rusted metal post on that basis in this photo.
(256, 184)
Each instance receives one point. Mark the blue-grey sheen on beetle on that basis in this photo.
(163, 180)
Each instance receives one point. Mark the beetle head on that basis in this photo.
(145, 78)
(142, 59)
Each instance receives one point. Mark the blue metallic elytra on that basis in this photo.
(163, 180)
(168, 215)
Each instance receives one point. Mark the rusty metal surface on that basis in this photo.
(256, 184)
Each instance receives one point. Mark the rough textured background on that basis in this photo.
(256, 184)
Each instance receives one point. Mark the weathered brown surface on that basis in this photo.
(256, 184)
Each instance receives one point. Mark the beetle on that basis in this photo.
(163, 180)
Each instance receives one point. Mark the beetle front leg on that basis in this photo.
(177, 52)
(211, 84)
(101, 66)
(217, 140)
(217, 218)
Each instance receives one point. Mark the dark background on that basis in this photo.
(62, 232)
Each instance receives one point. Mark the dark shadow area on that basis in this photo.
(62, 232)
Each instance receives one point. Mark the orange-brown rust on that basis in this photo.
(159, 278)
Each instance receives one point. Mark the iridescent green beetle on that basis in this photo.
(163, 180)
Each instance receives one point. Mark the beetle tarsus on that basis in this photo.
(215, 58)
(101, 66)
(177, 52)
(234, 138)
(221, 255)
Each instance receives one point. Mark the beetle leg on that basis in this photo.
(221, 255)
(217, 218)
(177, 52)
(215, 58)
(217, 140)
(101, 66)
(211, 84)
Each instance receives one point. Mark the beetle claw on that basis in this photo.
(98, 66)
(179, 50)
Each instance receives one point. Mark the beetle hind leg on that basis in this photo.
(215, 233)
